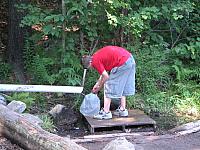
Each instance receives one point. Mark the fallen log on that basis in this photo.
(189, 131)
(29, 136)
(185, 127)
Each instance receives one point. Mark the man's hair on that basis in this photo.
(86, 60)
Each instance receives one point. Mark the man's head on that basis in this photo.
(86, 61)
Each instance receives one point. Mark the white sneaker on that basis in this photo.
(121, 113)
(103, 115)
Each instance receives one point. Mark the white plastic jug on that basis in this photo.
(90, 105)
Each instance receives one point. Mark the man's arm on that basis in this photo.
(102, 79)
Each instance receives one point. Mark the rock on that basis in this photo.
(56, 110)
(3, 100)
(63, 116)
(17, 106)
(119, 144)
(33, 119)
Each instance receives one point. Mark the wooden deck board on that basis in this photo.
(136, 118)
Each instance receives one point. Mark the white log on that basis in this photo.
(107, 137)
(40, 88)
(193, 130)
(117, 135)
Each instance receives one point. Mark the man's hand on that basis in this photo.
(97, 87)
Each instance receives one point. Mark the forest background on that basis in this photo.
(42, 43)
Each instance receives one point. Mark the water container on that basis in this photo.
(90, 105)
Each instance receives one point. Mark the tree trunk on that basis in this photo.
(16, 40)
(3, 29)
(63, 35)
(121, 31)
(29, 136)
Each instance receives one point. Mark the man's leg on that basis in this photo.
(107, 102)
(122, 111)
(105, 114)
(123, 103)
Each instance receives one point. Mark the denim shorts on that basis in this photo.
(121, 80)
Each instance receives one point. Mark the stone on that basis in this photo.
(3, 100)
(54, 112)
(17, 106)
(63, 116)
(119, 144)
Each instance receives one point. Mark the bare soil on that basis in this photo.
(6, 144)
(187, 142)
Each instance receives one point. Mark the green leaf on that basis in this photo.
(48, 28)
(144, 17)
(74, 9)
(48, 18)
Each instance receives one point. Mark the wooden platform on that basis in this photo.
(136, 118)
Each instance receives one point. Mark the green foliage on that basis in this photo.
(42, 17)
(42, 66)
(153, 72)
(78, 101)
(28, 98)
(186, 58)
(163, 36)
(5, 70)
(40, 71)
(186, 97)
(48, 123)
(139, 21)
(28, 54)
(135, 101)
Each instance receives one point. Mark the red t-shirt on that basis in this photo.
(109, 57)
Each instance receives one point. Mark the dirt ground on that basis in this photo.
(5, 144)
(186, 142)
(154, 142)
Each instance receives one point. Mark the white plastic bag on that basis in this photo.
(90, 105)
